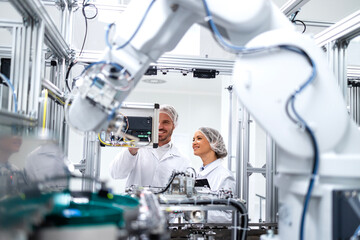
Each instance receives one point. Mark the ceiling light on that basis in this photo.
(154, 81)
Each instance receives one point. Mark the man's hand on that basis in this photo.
(133, 151)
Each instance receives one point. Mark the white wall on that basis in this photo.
(195, 110)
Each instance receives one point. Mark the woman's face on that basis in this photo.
(200, 144)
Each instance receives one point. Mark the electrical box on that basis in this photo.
(135, 125)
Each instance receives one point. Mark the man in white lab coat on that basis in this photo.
(152, 166)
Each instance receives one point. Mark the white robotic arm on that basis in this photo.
(145, 31)
(280, 76)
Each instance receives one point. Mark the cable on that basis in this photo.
(107, 144)
(295, 21)
(171, 179)
(68, 73)
(304, 25)
(291, 100)
(107, 33)
(44, 112)
(304, 125)
(85, 4)
(195, 174)
(12, 89)
(218, 37)
(137, 29)
(56, 98)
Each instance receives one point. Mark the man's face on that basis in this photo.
(166, 128)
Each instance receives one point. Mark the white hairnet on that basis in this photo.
(216, 141)
(170, 110)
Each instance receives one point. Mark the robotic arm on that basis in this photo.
(280, 76)
(263, 78)
(142, 34)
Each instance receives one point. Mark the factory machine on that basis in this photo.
(280, 76)
(282, 79)
(47, 206)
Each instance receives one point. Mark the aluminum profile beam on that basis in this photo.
(35, 10)
(11, 119)
(54, 89)
(353, 72)
(345, 29)
(292, 6)
(225, 67)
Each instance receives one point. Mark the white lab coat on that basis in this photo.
(146, 168)
(219, 178)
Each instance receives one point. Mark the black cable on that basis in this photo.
(172, 177)
(86, 22)
(295, 21)
(295, 14)
(67, 75)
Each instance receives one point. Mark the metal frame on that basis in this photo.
(34, 9)
(28, 66)
(244, 169)
(292, 6)
(230, 155)
(91, 156)
(225, 67)
(335, 40)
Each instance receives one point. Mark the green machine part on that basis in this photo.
(94, 209)
(65, 209)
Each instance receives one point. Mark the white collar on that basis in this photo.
(211, 166)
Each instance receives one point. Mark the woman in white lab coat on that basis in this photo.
(209, 145)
